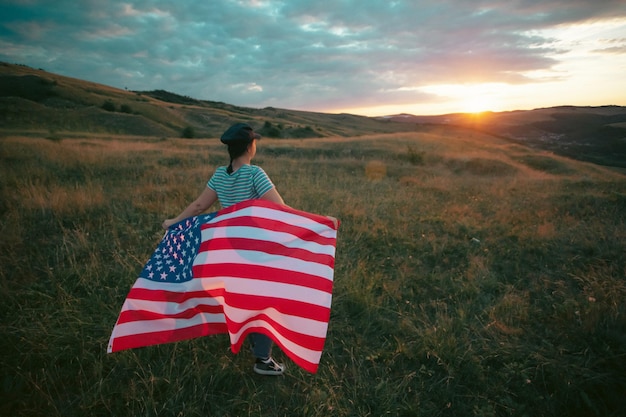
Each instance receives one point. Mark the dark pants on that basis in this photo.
(261, 345)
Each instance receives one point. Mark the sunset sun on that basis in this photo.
(477, 104)
(470, 98)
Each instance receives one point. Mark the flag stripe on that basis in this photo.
(152, 308)
(175, 324)
(134, 315)
(231, 242)
(234, 286)
(300, 278)
(253, 267)
(246, 258)
(267, 321)
(205, 273)
(321, 225)
(314, 344)
(139, 309)
(230, 229)
(148, 338)
(294, 323)
(269, 227)
(306, 358)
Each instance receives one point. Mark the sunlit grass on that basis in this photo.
(473, 277)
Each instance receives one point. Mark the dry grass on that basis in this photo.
(473, 277)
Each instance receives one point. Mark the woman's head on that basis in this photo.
(240, 139)
(239, 132)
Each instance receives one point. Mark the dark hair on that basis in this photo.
(238, 137)
(235, 150)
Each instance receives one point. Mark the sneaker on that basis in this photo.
(268, 367)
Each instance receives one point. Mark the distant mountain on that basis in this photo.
(35, 101)
(594, 134)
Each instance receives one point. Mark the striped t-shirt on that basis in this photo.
(248, 182)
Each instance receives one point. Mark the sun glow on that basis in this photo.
(477, 104)
(470, 98)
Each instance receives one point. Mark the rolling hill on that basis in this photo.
(593, 134)
(35, 101)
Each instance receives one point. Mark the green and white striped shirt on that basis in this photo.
(248, 182)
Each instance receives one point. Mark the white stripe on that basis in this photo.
(277, 290)
(247, 286)
(293, 323)
(296, 349)
(167, 307)
(182, 287)
(159, 325)
(296, 324)
(249, 257)
(283, 216)
(257, 233)
(244, 286)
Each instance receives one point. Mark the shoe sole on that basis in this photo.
(268, 372)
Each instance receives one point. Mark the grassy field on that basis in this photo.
(474, 277)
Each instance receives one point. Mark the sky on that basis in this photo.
(363, 57)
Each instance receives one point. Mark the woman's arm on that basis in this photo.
(202, 203)
(273, 196)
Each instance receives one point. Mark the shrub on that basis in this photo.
(545, 164)
(108, 105)
(270, 130)
(54, 136)
(415, 157)
(189, 132)
(480, 166)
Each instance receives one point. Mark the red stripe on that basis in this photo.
(290, 307)
(171, 296)
(243, 272)
(241, 301)
(167, 336)
(254, 305)
(263, 273)
(270, 225)
(128, 316)
(205, 329)
(264, 246)
(268, 204)
(301, 339)
(303, 363)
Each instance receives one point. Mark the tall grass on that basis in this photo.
(473, 278)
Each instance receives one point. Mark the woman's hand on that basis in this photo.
(167, 223)
(203, 202)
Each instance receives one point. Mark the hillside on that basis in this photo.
(35, 100)
(593, 134)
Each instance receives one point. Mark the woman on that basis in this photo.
(238, 182)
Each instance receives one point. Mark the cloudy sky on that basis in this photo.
(358, 56)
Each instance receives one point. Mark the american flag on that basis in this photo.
(255, 266)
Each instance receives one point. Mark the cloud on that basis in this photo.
(296, 54)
